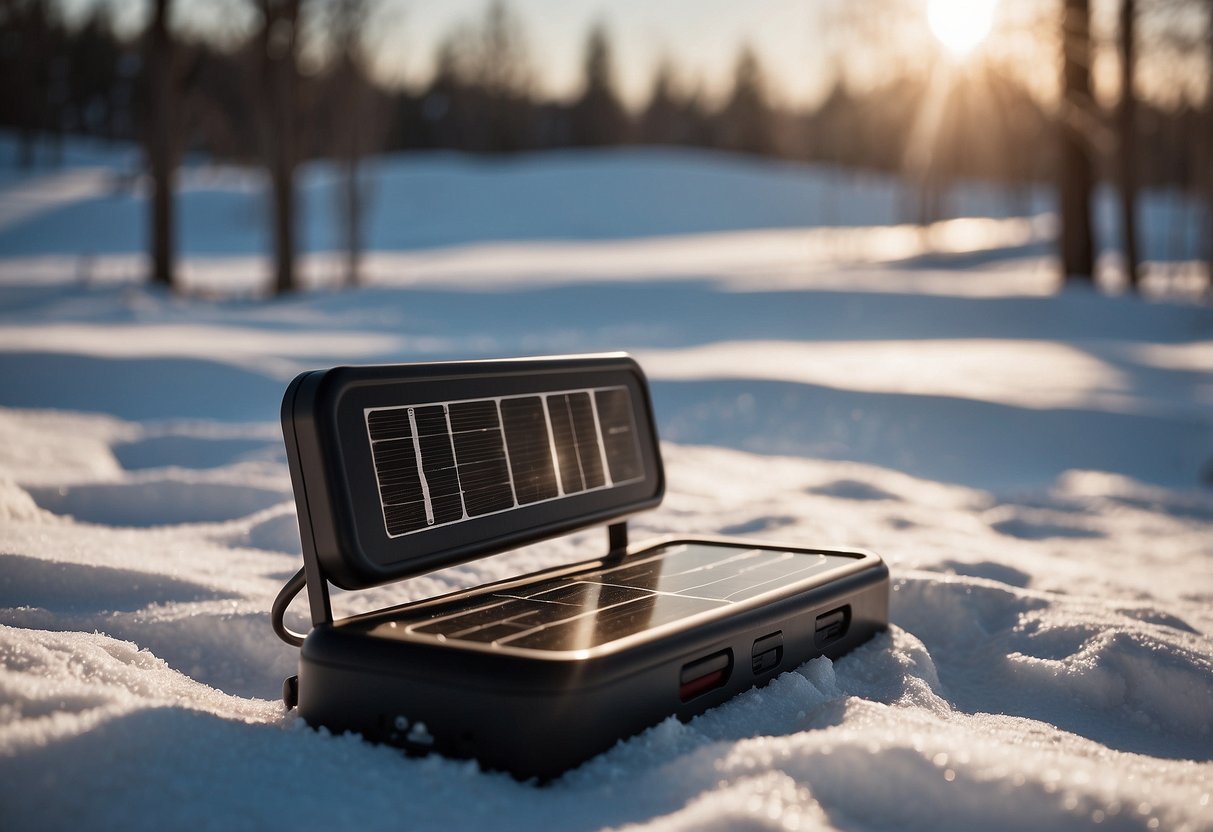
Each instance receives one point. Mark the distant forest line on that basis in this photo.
(86, 79)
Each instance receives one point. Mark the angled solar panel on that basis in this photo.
(439, 463)
(402, 469)
(399, 470)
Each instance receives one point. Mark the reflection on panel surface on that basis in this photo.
(606, 603)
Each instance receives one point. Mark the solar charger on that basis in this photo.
(400, 470)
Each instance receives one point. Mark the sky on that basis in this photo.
(701, 36)
(802, 43)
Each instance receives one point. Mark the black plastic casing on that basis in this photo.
(539, 713)
(533, 713)
(340, 519)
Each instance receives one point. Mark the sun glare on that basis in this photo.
(960, 24)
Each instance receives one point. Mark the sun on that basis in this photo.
(960, 24)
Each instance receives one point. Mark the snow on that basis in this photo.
(1035, 467)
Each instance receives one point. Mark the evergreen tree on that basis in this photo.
(746, 123)
(598, 117)
(661, 122)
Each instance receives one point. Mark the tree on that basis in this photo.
(1127, 128)
(277, 47)
(353, 103)
(499, 56)
(746, 122)
(659, 121)
(673, 115)
(159, 71)
(598, 117)
(494, 63)
(1075, 174)
(1208, 144)
(29, 32)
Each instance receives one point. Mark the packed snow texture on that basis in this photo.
(1035, 468)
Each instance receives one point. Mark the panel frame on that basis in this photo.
(341, 522)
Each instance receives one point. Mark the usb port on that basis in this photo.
(832, 625)
(767, 653)
(703, 675)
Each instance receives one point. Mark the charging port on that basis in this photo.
(832, 626)
(703, 675)
(767, 653)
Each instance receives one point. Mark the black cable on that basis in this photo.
(278, 611)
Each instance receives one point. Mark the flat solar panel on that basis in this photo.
(438, 463)
(606, 603)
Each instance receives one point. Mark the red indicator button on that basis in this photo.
(705, 674)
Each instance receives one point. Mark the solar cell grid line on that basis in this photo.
(496, 608)
(613, 408)
(396, 467)
(677, 554)
(404, 517)
(575, 602)
(389, 424)
(585, 438)
(751, 588)
(482, 467)
(529, 448)
(609, 623)
(523, 619)
(566, 449)
(505, 450)
(535, 447)
(446, 413)
(490, 633)
(683, 563)
(438, 464)
(547, 420)
(425, 486)
(482, 610)
(531, 590)
(763, 569)
(602, 460)
(716, 581)
(609, 596)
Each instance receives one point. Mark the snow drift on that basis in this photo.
(1035, 468)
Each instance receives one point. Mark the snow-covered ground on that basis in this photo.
(1035, 467)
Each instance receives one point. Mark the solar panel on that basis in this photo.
(606, 603)
(403, 469)
(439, 463)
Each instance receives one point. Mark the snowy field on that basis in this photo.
(1036, 468)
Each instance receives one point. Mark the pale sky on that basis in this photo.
(795, 39)
(702, 36)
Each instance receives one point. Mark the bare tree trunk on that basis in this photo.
(1208, 160)
(279, 45)
(349, 20)
(351, 142)
(282, 177)
(353, 220)
(159, 142)
(1128, 147)
(1075, 169)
